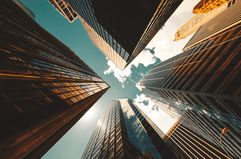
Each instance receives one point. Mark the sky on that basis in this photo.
(123, 83)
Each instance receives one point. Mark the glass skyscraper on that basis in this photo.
(185, 139)
(120, 28)
(45, 88)
(122, 134)
(203, 82)
(207, 75)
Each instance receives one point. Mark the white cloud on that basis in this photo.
(163, 42)
(163, 120)
(119, 74)
(145, 58)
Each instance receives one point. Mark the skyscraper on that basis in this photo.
(65, 10)
(121, 29)
(188, 144)
(205, 77)
(217, 26)
(205, 6)
(45, 88)
(204, 81)
(217, 132)
(123, 133)
(193, 24)
(185, 139)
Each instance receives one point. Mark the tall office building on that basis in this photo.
(184, 139)
(206, 76)
(123, 133)
(217, 132)
(193, 24)
(205, 80)
(121, 28)
(65, 10)
(227, 19)
(188, 144)
(45, 88)
(205, 6)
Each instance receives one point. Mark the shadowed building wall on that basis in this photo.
(125, 26)
(45, 88)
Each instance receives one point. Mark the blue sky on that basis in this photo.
(122, 83)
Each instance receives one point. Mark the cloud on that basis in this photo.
(163, 44)
(119, 74)
(145, 103)
(163, 120)
(145, 58)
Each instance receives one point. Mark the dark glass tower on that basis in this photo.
(120, 134)
(45, 88)
(121, 28)
(204, 81)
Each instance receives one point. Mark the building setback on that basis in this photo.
(45, 88)
(120, 134)
(121, 29)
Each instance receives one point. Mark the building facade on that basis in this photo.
(203, 82)
(184, 139)
(65, 10)
(189, 144)
(225, 20)
(45, 88)
(205, 6)
(205, 77)
(121, 134)
(125, 26)
(217, 132)
(193, 24)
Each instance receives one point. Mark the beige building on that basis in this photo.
(224, 21)
(196, 22)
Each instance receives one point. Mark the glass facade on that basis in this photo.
(45, 88)
(185, 139)
(188, 144)
(204, 81)
(224, 20)
(136, 133)
(120, 134)
(125, 26)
